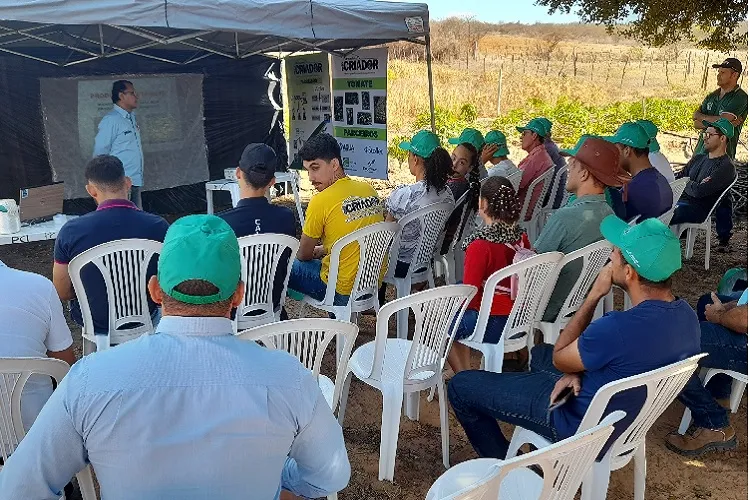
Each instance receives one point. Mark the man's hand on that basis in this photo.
(487, 151)
(603, 283)
(319, 252)
(715, 310)
(568, 380)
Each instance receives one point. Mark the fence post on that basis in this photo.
(644, 79)
(624, 67)
(687, 70)
(666, 70)
(485, 65)
(499, 89)
(705, 73)
(575, 63)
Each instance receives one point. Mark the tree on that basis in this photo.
(719, 23)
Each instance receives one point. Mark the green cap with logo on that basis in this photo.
(200, 247)
(422, 144)
(630, 134)
(722, 125)
(574, 150)
(650, 247)
(651, 130)
(497, 138)
(470, 135)
(538, 125)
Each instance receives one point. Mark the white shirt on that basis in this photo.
(32, 322)
(190, 412)
(660, 163)
(505, 169)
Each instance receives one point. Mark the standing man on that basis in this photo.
(120, 136)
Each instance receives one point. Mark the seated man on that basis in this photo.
(724, 338)
(341, 206)
(593, 164)
(655, 156)
(30, 304)
(537, 161)
(648, 193)
(115, 218)
(589, 354)
(253, 213)
(710, 173)
(192, 411)
(553, 150)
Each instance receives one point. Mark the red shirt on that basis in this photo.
(535, 164)
(482, 260)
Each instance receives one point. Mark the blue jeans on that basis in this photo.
(685, 212)
(305, 278)
(726, 350)
(495, 326)
(481, 398)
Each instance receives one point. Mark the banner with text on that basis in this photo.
(308, 85)
(359, 112)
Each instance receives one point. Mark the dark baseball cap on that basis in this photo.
(258, 163)
(730, 63)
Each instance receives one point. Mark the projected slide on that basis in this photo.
(169, 114)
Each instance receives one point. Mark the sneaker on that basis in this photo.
(724, 247)
(698, 441)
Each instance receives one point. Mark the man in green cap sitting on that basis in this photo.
(710, 173)
(190, 411)
(536, 163)
(655, 156)
(496, 153)
(589, 354)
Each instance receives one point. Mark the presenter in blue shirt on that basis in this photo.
(120, 136)
(190, 412)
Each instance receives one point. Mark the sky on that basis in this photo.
(495, 11)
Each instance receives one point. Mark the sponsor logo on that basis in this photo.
(370, 64)
(356, 207)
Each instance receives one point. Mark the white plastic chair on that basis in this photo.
(14, 373)
(549, 208)
(260, 256)
(536, 279)
(123, 265)
(432, 219)
(705, 226)
(399, 367)
(678, 186)
(739, 384)
(563, 465)
(531, 223)
(662, 387)
(515, 179)
(593, 258)
(451, 262)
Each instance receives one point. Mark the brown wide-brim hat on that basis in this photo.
(602, 159)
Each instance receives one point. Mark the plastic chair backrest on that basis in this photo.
(545, 179)
(432, 219)
(536, 279)
(593, 258)
(564, 466)
(718, 200)
(678, 187)
(515, 179)
(558, 178)
(460, 208)
(375, 243)
(123, 265)
(14, 373)
(662, 387)
(437, 313)
(307, 340)
(260, 256)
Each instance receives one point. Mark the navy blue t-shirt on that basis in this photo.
(649, 195)
(625, 343)
(258, 216)
(112, 220)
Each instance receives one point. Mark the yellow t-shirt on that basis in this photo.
(343, 207)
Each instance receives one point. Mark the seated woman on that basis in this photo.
(465, 178)
(489, 249)
(431, 165)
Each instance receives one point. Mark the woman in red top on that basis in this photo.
(489, 249)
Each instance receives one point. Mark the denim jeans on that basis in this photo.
(724, 221)
(495, 326)
(481, 398)
(686, 212)
(305, 278)
(726, 350)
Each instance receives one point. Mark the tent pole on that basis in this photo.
(430, 87)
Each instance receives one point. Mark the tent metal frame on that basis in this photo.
(83, 48)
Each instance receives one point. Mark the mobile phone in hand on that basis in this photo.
(562, 398)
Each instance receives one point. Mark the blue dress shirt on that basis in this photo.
(190, 412)
(120, 136)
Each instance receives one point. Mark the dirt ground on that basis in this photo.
(418, 461)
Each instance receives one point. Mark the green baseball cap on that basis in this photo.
(630, 134)
(538, 125)
(722, 125)
(574, 150)
(650, 247)
(200, 247)
(547, 124)
(470, 135)
(422, 144)
(651, 129)
(498, 138)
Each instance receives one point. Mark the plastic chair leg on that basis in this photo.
(687, 417)
(639, 472)
(707, 257)
(102, 342)
(515, 443)
(738, 389)
(412, 405)
(391, 421)
(444, 427)
(402, 317)
(344, 398)
(86, 484)
(689, 243)
(597, 482)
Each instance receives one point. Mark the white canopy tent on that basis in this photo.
(236, 29)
